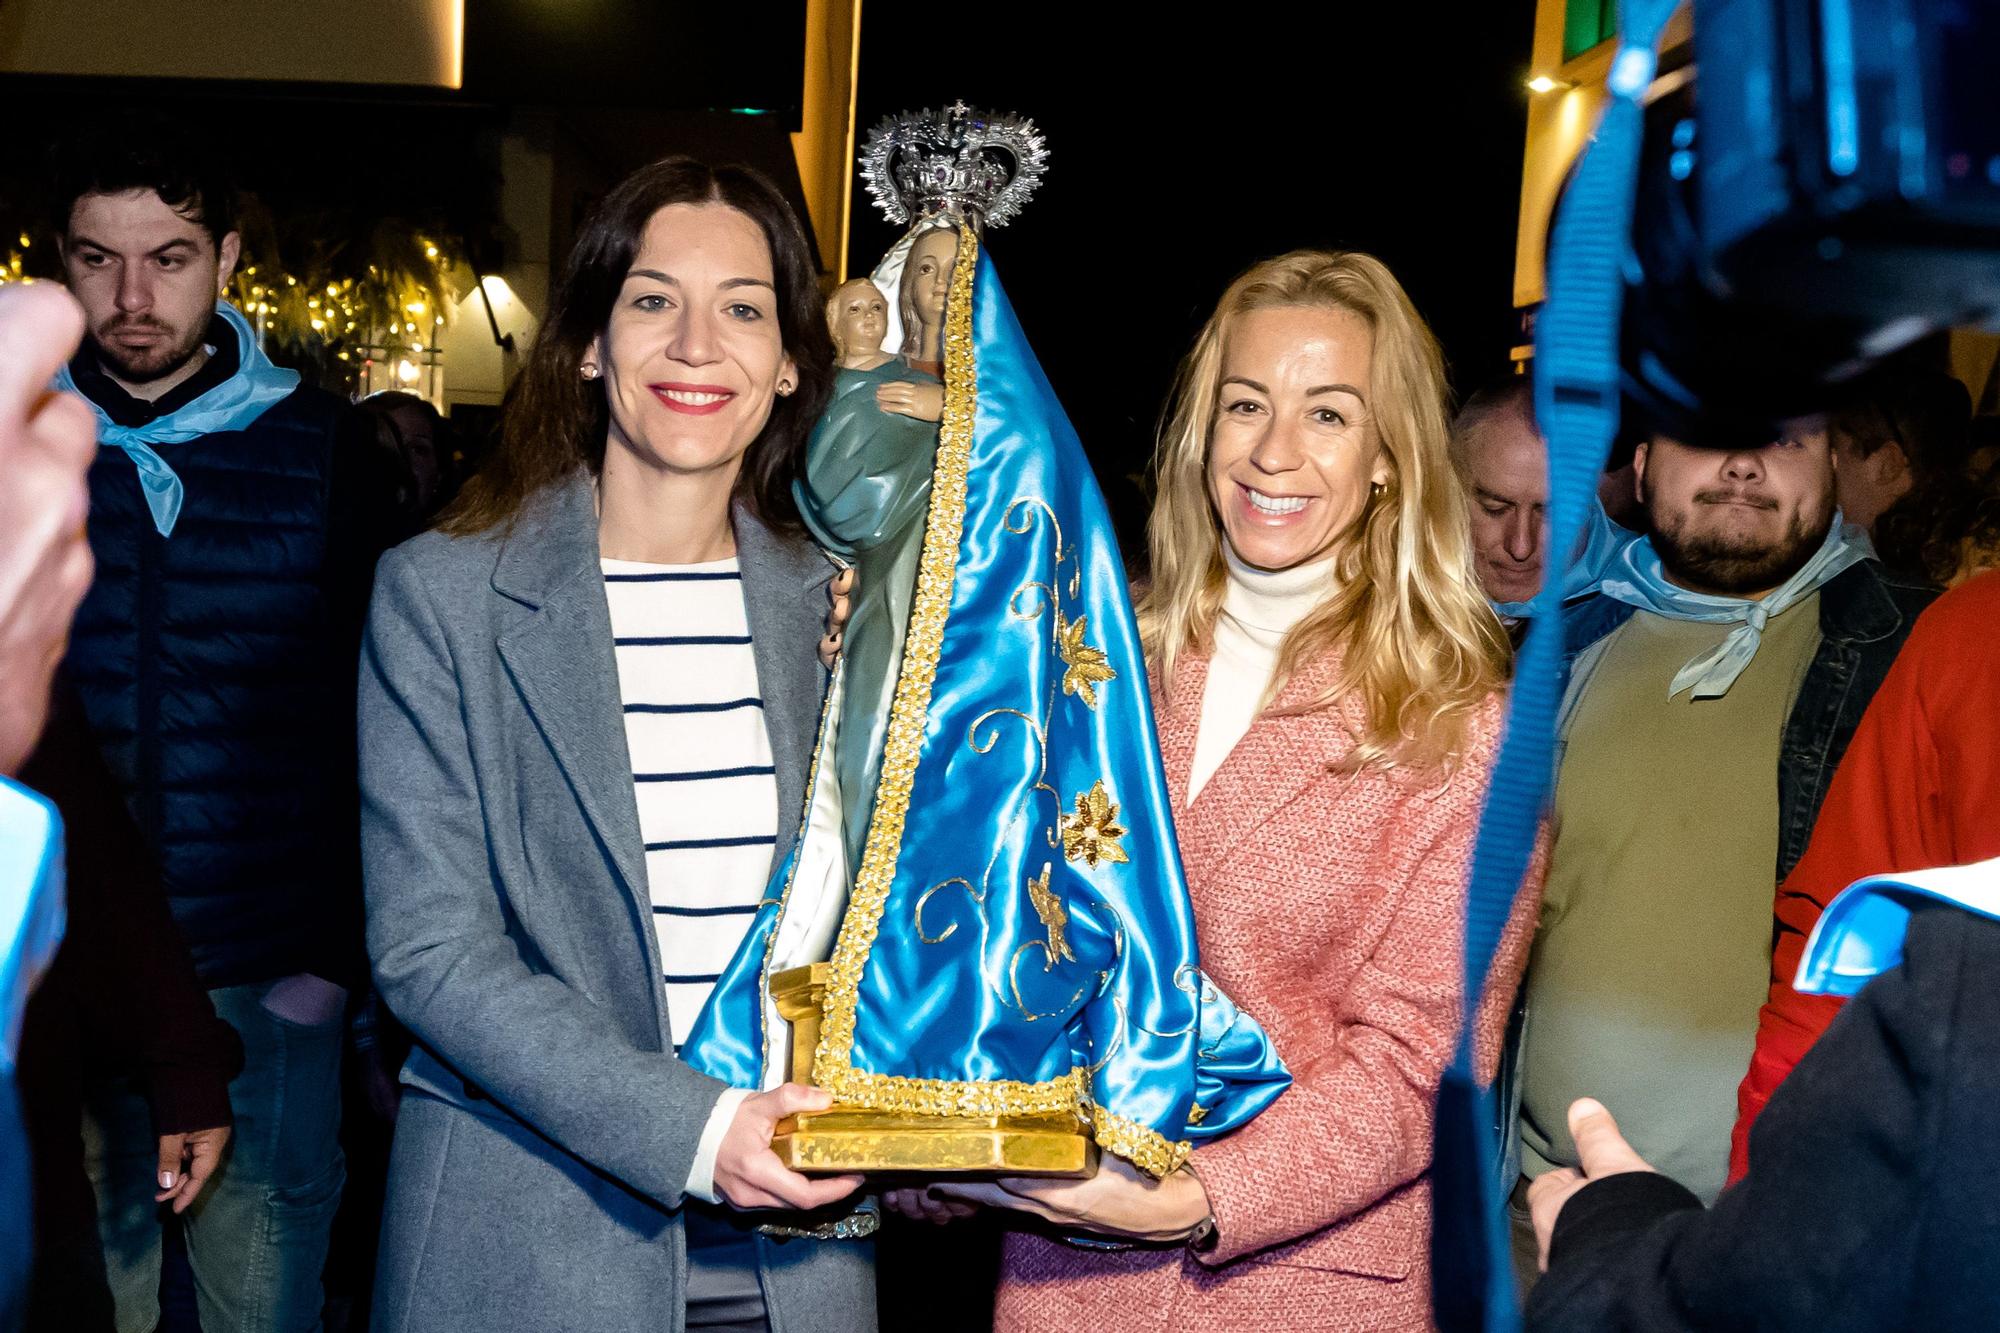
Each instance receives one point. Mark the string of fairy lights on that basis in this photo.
(383, 322)
(377, 323)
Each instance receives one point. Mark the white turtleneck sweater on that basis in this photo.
(1259, 607)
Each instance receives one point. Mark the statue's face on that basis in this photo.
(858, 316)
(927, 274)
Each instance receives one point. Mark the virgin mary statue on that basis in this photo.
(983, 936)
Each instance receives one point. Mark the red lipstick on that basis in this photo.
(695, 400)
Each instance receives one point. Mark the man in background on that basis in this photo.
(1719, 674)
(235, 517)
(1899, 429)
(1504, 463)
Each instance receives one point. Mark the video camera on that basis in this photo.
(1826, 192)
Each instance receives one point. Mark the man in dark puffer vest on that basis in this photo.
(235, 517)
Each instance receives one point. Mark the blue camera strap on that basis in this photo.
(1576, 406)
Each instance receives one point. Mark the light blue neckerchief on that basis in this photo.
(1601, 543)
(1636, 579)
(230, 405)
(1860, 934)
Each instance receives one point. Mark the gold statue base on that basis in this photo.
(845, 1139)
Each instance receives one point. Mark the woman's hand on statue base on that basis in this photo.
(1119, 1200)
(839, 605)
(749, 1175)
(923, 402)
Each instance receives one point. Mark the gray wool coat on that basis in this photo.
(546, 1130)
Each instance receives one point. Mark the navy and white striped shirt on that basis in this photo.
(701, 764)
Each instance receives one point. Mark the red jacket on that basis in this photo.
(1918, 787)
(1331, 906)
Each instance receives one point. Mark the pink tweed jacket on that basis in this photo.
(1330, 905)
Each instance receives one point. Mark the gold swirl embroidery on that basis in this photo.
(1117, 1038)
(1184, 974)
(1023, 503)
(973, 743)
(1022, 508)
(1048, 964)
(980, 746)
(1035, 612)
(951, 929)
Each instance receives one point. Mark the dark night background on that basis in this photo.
(1182, 153)
(1182, 150)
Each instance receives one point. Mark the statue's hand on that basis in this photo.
(925, 402)
(839, 606)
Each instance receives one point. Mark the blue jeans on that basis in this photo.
(257, 1237)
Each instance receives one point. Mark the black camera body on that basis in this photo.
(1827, 192)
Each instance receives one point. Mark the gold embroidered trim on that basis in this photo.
(1153, 1153)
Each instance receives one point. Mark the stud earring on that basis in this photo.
(784, 388)
(590, 372)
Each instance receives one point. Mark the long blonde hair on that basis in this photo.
(1419, 644)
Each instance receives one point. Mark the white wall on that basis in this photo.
(475, 369)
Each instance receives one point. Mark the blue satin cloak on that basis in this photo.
(1004, 963)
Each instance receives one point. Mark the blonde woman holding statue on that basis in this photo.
(1327, 681)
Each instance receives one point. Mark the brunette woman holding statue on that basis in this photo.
(587, 702)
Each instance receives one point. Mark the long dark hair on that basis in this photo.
(553, 420)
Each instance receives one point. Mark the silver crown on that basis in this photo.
(958, 162)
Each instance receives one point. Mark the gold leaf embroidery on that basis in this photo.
(1092, 833)
(1049, 907)
(1088, 666)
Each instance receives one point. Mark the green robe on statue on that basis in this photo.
(865, 494)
